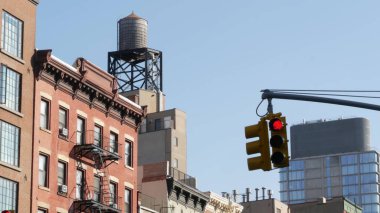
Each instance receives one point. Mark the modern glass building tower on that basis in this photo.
(341, 171)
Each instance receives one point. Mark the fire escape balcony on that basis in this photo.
(93, 200)
(94, 146)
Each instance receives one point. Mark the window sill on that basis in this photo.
(45, 130)
(12, 56)
(2, 106)
(62, 194)
(128, 167)
(10, 166)
(63, 138)
(44, 188)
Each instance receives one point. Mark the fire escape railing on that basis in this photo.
(101, 151)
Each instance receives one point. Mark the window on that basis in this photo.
(80, 184)
(62, 121)
(128, 153)
(44, 114)
(10, 88)
(62, 173)
(278, 210)
(113, 193)
(98, 135)
(175, 163)
(11, 35)
(9, 143)
(175, 141)
(97, 188)
(80, 130)
(113, 142)
(43, 170)
(157, 124)
(8, 194)
(127, 200)
(167, 122)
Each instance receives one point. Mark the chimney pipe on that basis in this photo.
(247, 192)
(257, 193)
(263, 188)
(269, 194)
(243, 198)
(234, 194)
(224, 194)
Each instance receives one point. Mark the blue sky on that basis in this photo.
(219, 55)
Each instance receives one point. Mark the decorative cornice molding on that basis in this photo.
(88, 83)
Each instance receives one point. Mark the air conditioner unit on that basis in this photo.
(114, 205)
(63, 132)
(62, 188)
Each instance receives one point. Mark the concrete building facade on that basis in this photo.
(162, 137)
(265, 206)
(341, 173)
(17, 44)
(161, 191)
(338, 204)
(85, 140)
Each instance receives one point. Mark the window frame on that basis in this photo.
(65, 123)
(128, 155)
(115, 147)
(46, 170)
(98, 193)
(47, 111)
(83, 131)
(100, 141)
(129, 209)
(4, 86)
(113, 195)
(14, 192)
(16, 153)
(64, 163)
(81, 192)
(5, 34)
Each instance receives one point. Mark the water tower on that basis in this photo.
(134, 64)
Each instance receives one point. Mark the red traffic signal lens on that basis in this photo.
(276, 124)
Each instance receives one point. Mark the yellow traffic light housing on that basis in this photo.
(278, 140)
(260, 146)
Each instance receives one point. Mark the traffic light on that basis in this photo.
(8, 211)
(278, 141)
(260, 146)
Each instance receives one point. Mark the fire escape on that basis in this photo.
(97, 197)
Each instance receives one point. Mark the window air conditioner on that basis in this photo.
(114, 205)
(63, 132)
(62, 188)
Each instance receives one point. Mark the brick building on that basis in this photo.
(17, 36)
(85, 152)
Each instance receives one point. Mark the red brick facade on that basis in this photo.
(86, 92)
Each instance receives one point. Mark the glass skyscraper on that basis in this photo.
(353, 175)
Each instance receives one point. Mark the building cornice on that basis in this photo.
(88, 83)
(186, 195)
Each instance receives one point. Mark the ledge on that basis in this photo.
(45, 130)
(130, 168)
(11, 56)
(2, 106)
(10, 166)
(44, 188)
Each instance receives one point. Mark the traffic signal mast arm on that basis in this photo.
(267, 94)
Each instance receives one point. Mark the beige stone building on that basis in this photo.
(219, 204)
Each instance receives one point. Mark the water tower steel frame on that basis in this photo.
(134, 69)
